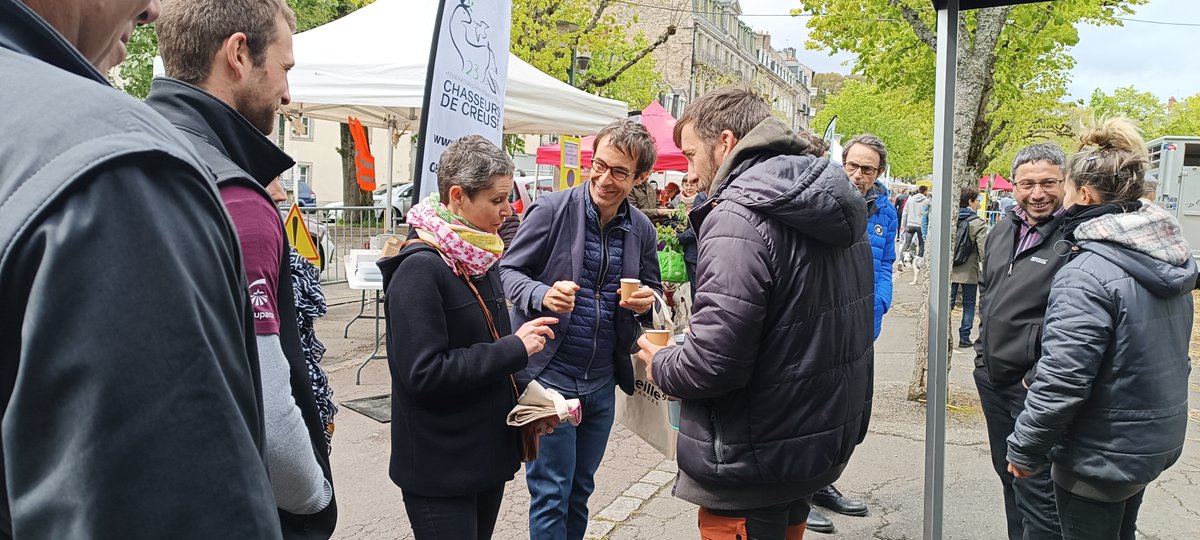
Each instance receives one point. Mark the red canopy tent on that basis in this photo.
(658, 122)
(998, 182)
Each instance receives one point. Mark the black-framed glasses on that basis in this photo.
(852, 167)
(1046, 185)
(617, 173)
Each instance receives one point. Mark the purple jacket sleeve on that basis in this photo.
(734, 275)
(525, 259)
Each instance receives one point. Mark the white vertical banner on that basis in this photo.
(464, 90)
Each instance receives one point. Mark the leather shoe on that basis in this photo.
(831, 498)
(965, 345)
(817, 522)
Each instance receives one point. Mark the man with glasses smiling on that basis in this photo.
(567, 261)
(1019, 262)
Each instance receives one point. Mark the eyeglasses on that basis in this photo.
(617, 173)
(867, 170)
(1046, 185)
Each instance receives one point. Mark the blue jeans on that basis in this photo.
(970, 292)
(562, 477)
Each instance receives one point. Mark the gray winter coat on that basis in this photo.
(1108, 404)
(775, 377)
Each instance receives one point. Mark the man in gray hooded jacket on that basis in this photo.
(775, 375)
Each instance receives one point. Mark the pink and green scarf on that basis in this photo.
(456, 239)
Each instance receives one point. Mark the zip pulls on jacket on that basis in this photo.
(598, 290)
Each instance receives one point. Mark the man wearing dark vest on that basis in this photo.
(228, 63)
(130, 390)
(1019, 262)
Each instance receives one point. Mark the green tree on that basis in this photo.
(827, 84)
(905, 124)
(1012, 72)
(621, 66)
(1184, 120)
(1143, 108)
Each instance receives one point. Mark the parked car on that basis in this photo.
(401, 200)
(305, 194)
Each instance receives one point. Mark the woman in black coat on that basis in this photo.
(452, 385)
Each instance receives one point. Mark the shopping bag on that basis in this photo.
(646, 413)
(671, 267)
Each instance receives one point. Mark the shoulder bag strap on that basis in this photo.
(487, 313)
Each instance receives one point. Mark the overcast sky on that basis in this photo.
(1152, 57)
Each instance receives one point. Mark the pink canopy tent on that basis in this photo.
(658, 122)
(998, 182)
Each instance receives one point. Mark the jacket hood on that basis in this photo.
(918, 198)
(767, 173)
(194, 110)
(1148, 244)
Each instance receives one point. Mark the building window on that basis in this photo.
(303, 173)
(307, 124)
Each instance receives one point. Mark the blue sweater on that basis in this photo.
(882, 223)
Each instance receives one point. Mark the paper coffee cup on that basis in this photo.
(659, 337)
(628, 287)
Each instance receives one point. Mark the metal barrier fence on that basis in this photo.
(338, 230)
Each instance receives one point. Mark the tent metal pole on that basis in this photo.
(939, 289)
(390, 224)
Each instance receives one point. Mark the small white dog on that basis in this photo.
(909, 261)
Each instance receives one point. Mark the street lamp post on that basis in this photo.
(579, 62)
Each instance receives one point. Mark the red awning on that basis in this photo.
(658, 122)
(998, 182)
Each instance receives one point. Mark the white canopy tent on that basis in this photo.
(372, 64)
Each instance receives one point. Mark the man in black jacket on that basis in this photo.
(775, 375)
(1020, 260)
(130, 383)
(229, 62)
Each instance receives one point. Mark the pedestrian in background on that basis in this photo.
(916, 211)
(1107, 408)
(452, 362)
(965, 276)
(775, 374)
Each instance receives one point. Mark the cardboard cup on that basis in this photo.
(659, 337)
(628, 287)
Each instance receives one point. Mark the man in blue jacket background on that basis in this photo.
(863, 159)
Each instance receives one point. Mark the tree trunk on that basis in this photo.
(976, 63)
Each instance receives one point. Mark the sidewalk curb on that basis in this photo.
(630, 501)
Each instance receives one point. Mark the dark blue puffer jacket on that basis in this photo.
(1109, 401)
(882, 223)
(585, 340)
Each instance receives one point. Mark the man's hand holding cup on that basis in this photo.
(561, 297)
(635, 296)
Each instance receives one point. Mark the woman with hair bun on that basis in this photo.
(1107, 409)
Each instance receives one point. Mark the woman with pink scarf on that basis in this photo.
(452, 362)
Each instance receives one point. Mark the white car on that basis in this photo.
(401, 200)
